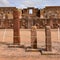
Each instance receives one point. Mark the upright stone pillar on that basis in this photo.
(16, 27)
(6, 21)
(48, 38)
(51, 23)
(2, 24)
(30, 22)
(33, 37)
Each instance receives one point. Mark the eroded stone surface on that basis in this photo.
(16, 26)
(48, 38)
(33, 37)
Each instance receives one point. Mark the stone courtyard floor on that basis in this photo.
(20, 54)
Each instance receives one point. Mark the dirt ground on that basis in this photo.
(6, 35)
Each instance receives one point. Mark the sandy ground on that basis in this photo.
(25, 37)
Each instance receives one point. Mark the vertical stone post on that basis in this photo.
(6, 21)
(33, 37)
(28, 20)
(16, 27)
(48, 38)
(2, 22)
(51, 23)
(58, 31)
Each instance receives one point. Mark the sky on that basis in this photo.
(29, 3)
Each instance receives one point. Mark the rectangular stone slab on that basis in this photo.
(16, 27)
(33, 37)
(48, 38)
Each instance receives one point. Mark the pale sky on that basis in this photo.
(29, 3)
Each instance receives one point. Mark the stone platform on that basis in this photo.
(53, 52)
(15, 46)
(30, 49)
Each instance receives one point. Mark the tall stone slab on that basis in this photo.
(6, 21)
(51, 23)
(30, 22)
(33, 37)
(16, 27)
(48, 38)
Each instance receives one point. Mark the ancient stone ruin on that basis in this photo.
(33, 37)
(16, 25)
(48, 38)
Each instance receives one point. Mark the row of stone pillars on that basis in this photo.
(47, 36)
(16, 36)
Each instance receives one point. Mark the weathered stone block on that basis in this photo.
(48, 38)
(16, 26)
(33, 37)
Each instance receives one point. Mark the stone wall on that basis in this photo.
(25, 36)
